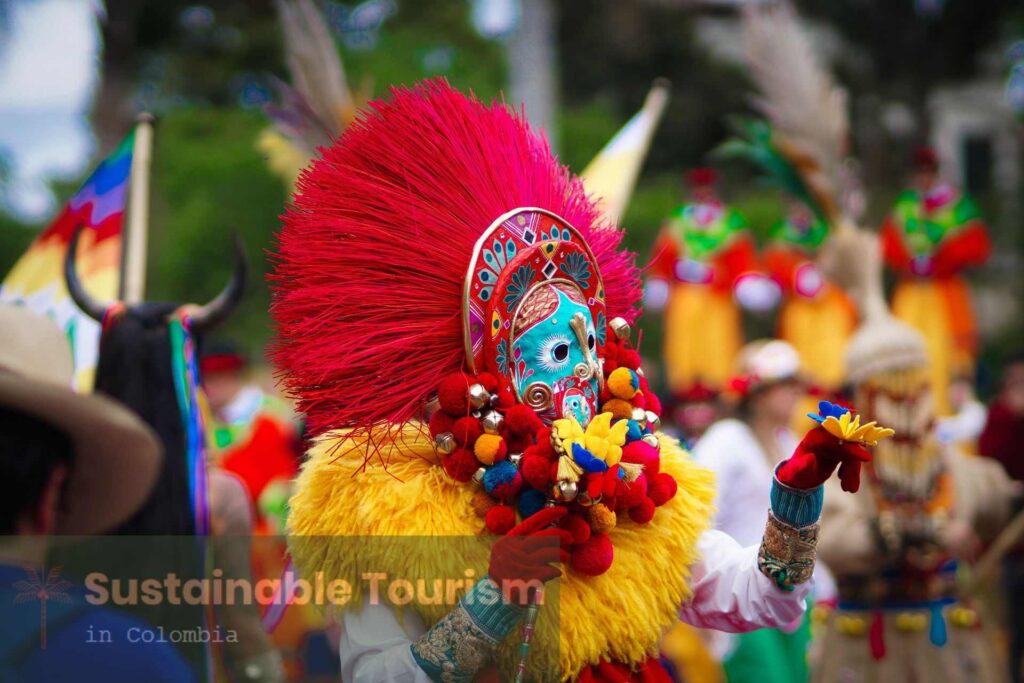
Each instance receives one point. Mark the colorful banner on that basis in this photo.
(37, 279)
(612, 174)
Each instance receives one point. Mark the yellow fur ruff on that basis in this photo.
(619, 615)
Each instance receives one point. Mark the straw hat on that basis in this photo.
(117, 457)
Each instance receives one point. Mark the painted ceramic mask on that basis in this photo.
(534, 313)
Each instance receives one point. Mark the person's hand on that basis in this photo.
(816, 458)
(525, 557)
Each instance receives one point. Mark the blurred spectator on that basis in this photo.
(1003, 439)
(743, 452)
(692, 412)
(69, 464)
(969, 415)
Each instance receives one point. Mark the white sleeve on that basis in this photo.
(376, 648)
(731, 594)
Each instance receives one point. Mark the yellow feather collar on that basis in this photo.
(619, 615)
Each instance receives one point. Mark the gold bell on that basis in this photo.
(620, 327)
(445, 443)
(653, 421)
(565, 491)
(492, 422)
(651, 440)
(478, 396)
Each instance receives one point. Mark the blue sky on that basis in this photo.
(48, 71)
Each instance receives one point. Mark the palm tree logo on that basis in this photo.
(35, 588)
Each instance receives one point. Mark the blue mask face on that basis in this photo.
(554, 357)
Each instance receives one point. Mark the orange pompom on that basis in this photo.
(453, 394)
(601, 518)
(662, 488)
(460, 465)
(623, 383)
(482, 502)
(489, 449)
(467, 430)
(500, 519)
(620, 410)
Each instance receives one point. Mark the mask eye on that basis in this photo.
(560, 352)
(591, 341)
(553, 353)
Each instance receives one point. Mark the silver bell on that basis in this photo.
(492, 422)
(651, 440)
(653, 421)
(478, 396)
(620, 327)
(445, 443)
(478, 476)
(565, 491)
(515, 458)
(640, 415)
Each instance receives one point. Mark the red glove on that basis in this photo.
(526, 554)
(817, 456)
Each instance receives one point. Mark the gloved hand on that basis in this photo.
(527, 553)
(817, 456)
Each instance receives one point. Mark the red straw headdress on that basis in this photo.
(372, 257)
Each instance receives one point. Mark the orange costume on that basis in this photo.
(928, 240)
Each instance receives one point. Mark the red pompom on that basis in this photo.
(516, 444)
(500, 519)
(441, 422)
(506, 399)
(536, 471)
(629, 358)
(543, 446)
(639, 400)
(642, 513)
(510, 489)
(593, 557)
(610, 365)
(461, 465)
(662, 488)
(467, 430)
(577, 527)
(629, 494)
(595, 484)
(489, 382)
(653, 402)
(453, 394)
(522, 420)
(643, 454)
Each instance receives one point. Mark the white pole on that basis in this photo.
(133, 278)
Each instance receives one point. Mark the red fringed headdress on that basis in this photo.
(370, 276)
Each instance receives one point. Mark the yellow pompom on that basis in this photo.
(487, 447)
(623, 383)
(620, 409)
(601, 518)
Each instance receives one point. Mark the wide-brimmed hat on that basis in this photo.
(116, 456)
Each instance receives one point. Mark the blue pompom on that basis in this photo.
(531, 502)
(500, 473)
(826, 410)
(633, 432)
(587, 461)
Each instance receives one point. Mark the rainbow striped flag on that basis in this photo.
(37, 279)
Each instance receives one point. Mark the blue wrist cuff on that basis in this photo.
(797, 507)
(490, 612)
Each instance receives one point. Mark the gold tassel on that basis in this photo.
(568, 470)
(632, 470)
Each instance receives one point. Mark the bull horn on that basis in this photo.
(209, 316)
(92, 308)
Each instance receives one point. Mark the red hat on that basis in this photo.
(221, 357)
(702, 176)
(925, 159)
(697, 393)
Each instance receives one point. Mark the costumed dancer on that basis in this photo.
(704, 267)
(255, 436)
(440, 262)
(743, 452)
(816, 317)
(894, 552)
(933, 234)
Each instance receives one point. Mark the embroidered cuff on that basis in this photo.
(796, 507)
(787, 553)
(458, 646)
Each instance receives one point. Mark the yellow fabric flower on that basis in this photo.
(601, 438)
(848, 428)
